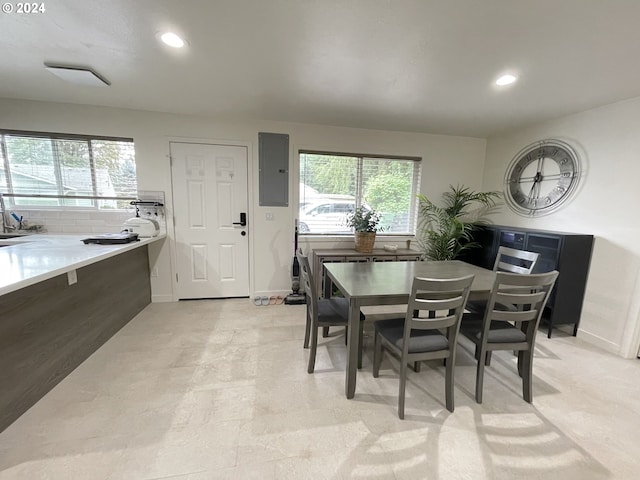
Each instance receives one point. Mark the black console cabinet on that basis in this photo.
(569, 253)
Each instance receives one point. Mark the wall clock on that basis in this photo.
(541, 177)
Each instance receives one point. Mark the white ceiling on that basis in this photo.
(408, 65)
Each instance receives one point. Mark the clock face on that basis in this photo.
(541, 177)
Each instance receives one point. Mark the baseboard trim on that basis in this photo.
(161, 298)
(599, 342)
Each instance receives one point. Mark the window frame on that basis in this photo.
(413, 209)
(9, 195)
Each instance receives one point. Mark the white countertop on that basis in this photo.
(33, 258)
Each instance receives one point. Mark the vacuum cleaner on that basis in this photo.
(295, 297)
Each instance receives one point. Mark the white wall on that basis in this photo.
(446, 160)
(608, 140)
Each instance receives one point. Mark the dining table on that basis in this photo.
(389, 283)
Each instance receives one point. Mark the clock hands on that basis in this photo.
(542, 178)
(534, 193)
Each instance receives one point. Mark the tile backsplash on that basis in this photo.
(57, 221)
(92, 221)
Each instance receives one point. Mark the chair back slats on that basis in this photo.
(522, 298)
(508, 267)
(528, 294)
(438, 302)
(515, 261)
(421, 323)
(308, 283)
(517, 316)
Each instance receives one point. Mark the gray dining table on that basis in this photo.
(389, 283)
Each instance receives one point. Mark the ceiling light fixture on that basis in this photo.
(172, 40)
(506, 80)
(78, 75)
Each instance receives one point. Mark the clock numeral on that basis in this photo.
(564, 161)
(566, 174)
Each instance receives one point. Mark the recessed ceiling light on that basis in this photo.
(506, 80)
(172, 40)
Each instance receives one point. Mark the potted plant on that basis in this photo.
(365, 223)
(444, 232)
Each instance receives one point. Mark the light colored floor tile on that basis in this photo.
(218, 389)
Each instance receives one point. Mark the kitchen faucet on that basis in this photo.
(6, 227)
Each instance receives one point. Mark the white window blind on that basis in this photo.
(332, 185)
(57, 170)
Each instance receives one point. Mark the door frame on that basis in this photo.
(169, 208)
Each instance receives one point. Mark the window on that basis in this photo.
(57, 170)
(332, 185)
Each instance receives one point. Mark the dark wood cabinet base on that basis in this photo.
(48, 329)
(569, 253)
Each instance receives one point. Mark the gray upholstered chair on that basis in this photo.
(526, 295)
(326, 312)
(428, 331)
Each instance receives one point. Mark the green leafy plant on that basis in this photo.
(446, 231)
(363, 219)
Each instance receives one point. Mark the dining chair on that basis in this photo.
(428, 331)
(325, 312)
(514, 328)
(508, 260)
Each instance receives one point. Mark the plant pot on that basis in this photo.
(364, 241)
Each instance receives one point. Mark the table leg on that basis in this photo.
(328, 287)
(352, 348)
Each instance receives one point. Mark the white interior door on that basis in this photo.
(209, 196)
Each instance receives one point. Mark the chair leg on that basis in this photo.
(325, 332)
(314, 347)
(480, 375)
(521, 362)
(404, 368)
(417, 366)
(527, 377)
(307, 332)
(450, 364)
(377, 355)
(487, 360)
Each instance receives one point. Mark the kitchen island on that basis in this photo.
(60, 300)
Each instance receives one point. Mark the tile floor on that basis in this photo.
(218, 390)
